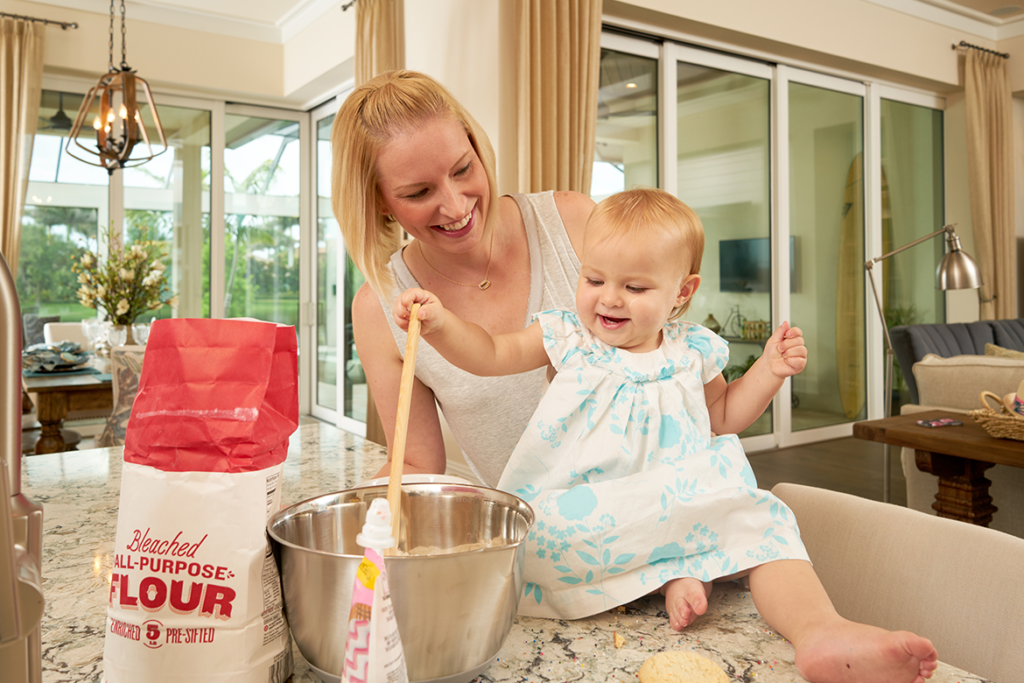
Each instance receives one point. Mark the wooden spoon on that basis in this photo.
(402, 423)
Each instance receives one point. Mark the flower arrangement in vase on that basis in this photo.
(128, 283)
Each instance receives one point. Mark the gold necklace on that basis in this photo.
(484, 284)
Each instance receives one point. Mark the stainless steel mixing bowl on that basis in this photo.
(454, 610)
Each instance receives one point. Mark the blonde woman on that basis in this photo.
(408, 156)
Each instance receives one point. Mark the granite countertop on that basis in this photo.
(79, 493)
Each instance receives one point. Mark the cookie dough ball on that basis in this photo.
(681, 667)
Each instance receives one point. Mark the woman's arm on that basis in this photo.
(467, 345)
(382, 363)
(734, 407)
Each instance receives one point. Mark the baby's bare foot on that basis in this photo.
(685, 600)
(856, 653)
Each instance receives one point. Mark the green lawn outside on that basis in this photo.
(68, 312)
(278, 310)
(284, 311)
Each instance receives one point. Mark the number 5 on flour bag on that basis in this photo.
(195, 593)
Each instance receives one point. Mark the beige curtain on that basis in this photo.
(380, 47)
(380, 37)
(990, 173)
(557, 76)
(21, 77)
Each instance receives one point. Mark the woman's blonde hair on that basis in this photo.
(385, 106)
(638, 212)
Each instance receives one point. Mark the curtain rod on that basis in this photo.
(964, 43)
(63, 24)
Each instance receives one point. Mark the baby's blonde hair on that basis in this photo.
(385, 106)
(636, 213)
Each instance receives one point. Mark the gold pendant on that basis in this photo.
(484, 285)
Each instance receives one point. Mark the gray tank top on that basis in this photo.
(487, 415)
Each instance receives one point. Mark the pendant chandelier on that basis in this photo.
(118, 125)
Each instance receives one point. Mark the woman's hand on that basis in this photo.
(785, 353)
(431, 313)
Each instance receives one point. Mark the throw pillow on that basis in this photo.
(957, 381)
(1000, 352)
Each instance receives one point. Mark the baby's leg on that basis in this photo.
(829, 648)
(685, 600)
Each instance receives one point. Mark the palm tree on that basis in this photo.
(244, 228)
(52, 238)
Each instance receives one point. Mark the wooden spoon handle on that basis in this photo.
(402, 421)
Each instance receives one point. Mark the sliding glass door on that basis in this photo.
(626, 145)
(722, 171)
(168, 200)
(338, 380)
(826, 225)
(793, 174)
(66, 204)
(912, 196)
(261, 218)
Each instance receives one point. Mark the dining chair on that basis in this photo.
(32, 328)
(957, 584)
(58, 332)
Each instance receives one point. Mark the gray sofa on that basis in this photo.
(948, 370)
(912, 342)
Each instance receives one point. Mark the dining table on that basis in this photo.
(59, 393)
(80, 491)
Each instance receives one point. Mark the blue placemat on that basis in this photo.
(104, 377)
(65, 373)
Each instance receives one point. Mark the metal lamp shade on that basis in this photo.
(957, 270)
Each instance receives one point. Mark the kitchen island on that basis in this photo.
(79, 492)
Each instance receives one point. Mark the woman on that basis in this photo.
(408, 156)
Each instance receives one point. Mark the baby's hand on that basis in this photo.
(431, 313)
(785, 351)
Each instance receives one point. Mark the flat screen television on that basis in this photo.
(745, 265)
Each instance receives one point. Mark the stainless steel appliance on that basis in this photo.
(21, 520)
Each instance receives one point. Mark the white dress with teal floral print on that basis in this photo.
(629, 486)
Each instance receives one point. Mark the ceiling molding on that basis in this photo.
(288, 26)
(969, 12)
(305, 15)
(1012, 30)
(943, 17)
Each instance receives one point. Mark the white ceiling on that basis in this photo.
(276, 21)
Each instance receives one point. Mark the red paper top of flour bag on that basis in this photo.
(215, 396)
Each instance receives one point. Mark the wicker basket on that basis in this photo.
(1000, 423)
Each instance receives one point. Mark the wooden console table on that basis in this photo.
(958, 456)
(59, 394)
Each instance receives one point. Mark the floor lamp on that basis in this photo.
(957, 270)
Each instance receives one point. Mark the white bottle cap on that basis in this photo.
(377, 530)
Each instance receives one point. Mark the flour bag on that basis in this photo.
(195, 593)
